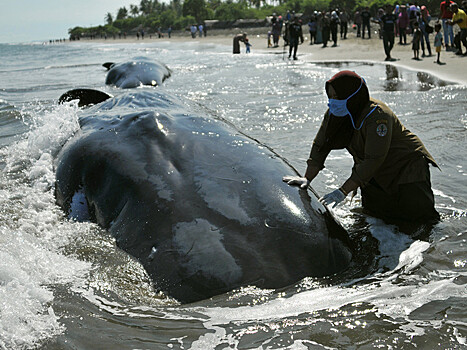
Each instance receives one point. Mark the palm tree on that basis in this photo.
(146, 7)
(122, 13)
(134, 10)
(108, 18)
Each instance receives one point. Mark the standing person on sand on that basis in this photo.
(193, 30)
(248, 46)
(403, 25)
(334, 24)
(446, 15)
(424, 19)
(459, 17)
(417, 36)
(413, 15)
(357, 19)
(438, 42)
(295, 34)
(319, 27)
(269, 39)
(280, 20)
(391, 164)
(388, 21)
(276, 32)
(200, 29)
(242, 37)
(344, 21)
(326, 28)
(366, 17)
(312, 27)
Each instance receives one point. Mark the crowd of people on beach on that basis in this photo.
(449, 29)
(411, 24)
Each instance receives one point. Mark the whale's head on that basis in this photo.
(137, 72)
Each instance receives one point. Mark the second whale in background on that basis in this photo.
(136, 72)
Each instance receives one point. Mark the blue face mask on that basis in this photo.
(338, 108)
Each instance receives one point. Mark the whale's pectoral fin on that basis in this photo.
(86, 97)
(108, 65)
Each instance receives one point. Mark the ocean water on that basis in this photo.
(65, 285)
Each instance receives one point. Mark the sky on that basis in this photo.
(42, 20)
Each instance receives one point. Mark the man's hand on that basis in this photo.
(335, 197)
(303, 182)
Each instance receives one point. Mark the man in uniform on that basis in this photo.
(390, 162)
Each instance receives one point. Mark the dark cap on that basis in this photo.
(345, 83)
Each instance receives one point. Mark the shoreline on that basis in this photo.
(352, 49)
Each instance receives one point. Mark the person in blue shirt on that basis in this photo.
(248, 45)
(312, 27)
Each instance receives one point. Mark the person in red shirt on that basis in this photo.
(446, 15)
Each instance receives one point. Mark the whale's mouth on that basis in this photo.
(79, 210)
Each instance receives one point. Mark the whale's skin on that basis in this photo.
(202, 206)
(136, 72)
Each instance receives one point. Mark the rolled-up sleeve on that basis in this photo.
(378, 134)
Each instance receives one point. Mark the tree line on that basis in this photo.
(152, 15)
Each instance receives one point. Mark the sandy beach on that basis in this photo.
(350, 49)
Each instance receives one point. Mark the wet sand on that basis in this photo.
(350, 49)
(371, 50)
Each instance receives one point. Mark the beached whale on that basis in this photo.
(130, 74)
(136, 72)
(202, 206)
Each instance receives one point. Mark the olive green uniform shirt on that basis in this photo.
(383, 150)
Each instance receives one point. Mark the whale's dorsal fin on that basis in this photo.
(86, 97)
(108, 65)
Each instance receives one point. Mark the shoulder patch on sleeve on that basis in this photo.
(381, 128)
